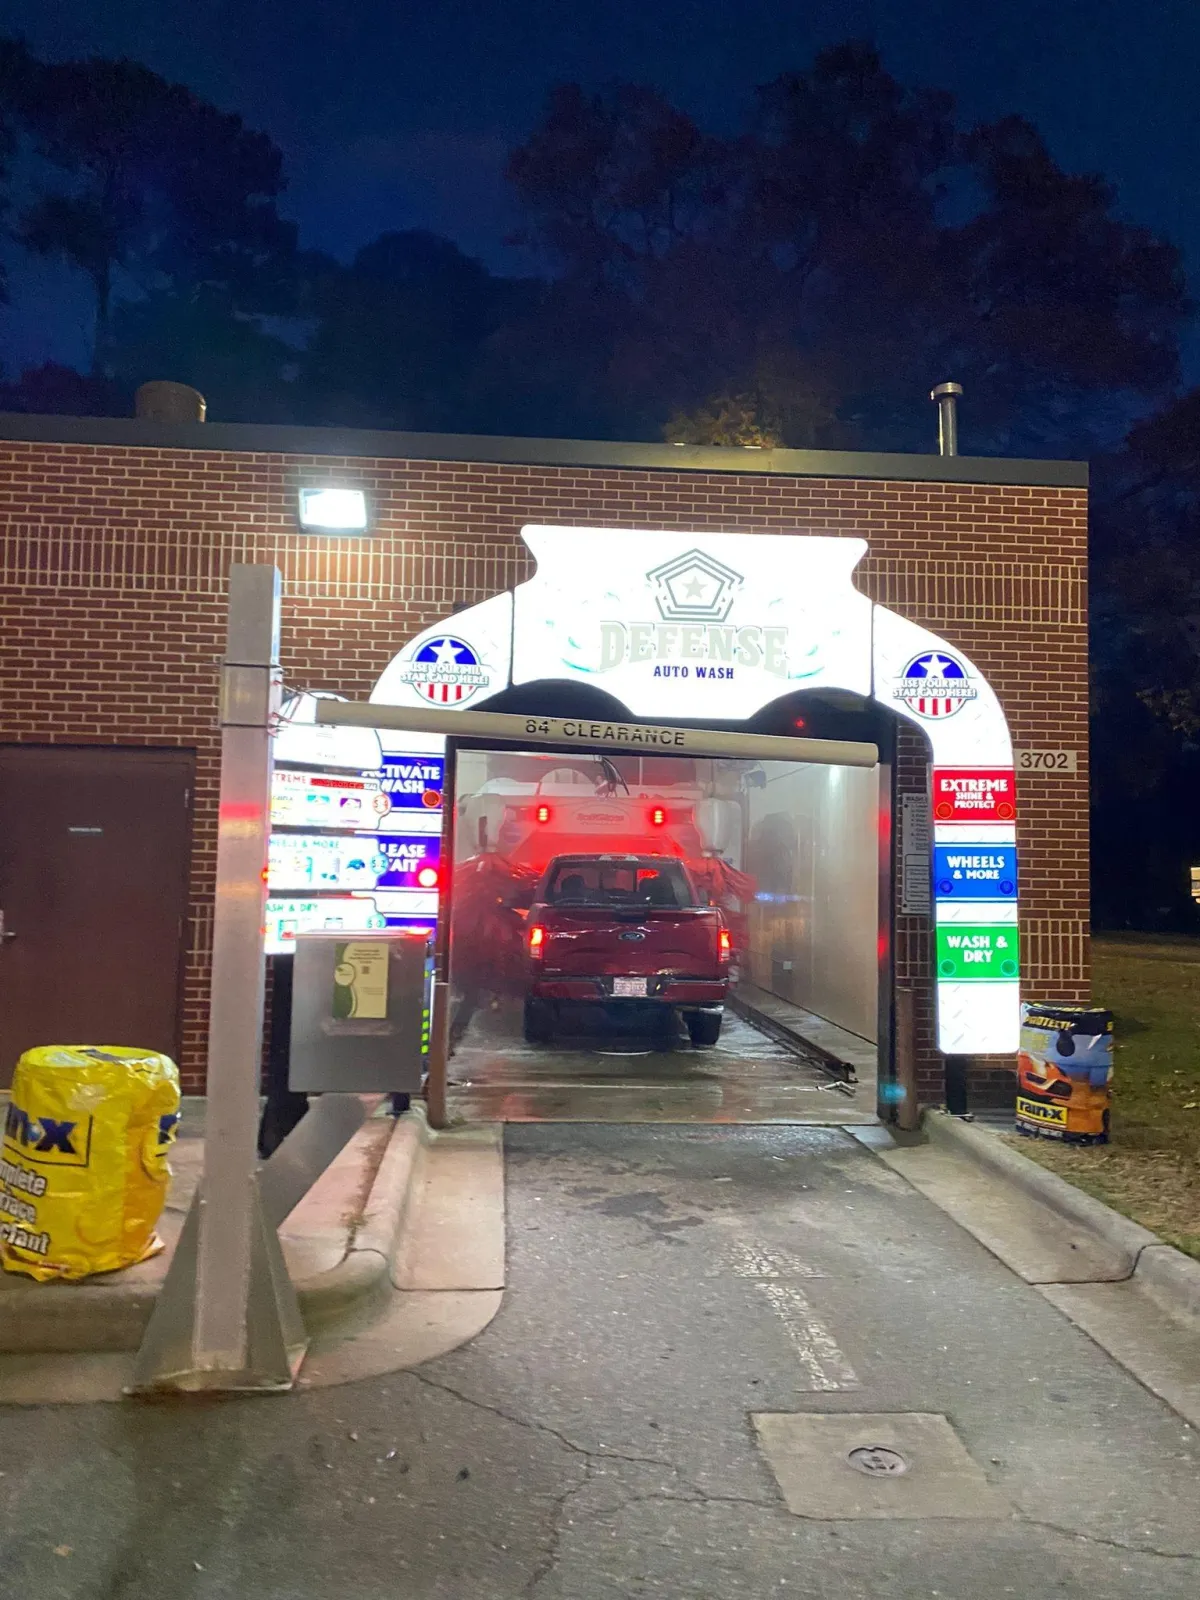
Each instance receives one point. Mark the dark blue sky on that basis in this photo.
(393, 114)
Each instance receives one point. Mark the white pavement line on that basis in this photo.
(760, 1261)
(822, 1360)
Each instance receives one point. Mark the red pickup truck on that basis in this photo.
(628, 934)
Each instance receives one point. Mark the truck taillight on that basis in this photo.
(724, 944)
(537, 941)
(658, 816)
(542, 813)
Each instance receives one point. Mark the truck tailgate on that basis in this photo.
(597, 940)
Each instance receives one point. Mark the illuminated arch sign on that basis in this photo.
(716, 625)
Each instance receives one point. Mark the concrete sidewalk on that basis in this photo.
(337, 1242)
(110, 1311)
(1138, 1298)
(397, 1254)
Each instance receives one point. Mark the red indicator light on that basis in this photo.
(542, 813)
(537, 938)
(800, 723)
(265, 874)
(427, 877)
(658, 816)
(724, 944)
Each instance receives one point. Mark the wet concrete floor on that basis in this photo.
(604, 1075)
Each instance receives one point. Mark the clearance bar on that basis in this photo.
(592, 734)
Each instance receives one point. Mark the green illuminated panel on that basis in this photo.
(977, 952)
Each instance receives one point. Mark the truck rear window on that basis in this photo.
(619, 883)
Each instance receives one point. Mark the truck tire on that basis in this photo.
(538, 1022)
(704, 1027)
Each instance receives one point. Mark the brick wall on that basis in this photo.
(112, 581)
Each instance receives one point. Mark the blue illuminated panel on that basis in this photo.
(975, 871)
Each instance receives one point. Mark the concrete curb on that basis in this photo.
(94, 1316)
(364, 1270)
(1169, 1277)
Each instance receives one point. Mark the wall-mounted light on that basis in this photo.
(327, 510)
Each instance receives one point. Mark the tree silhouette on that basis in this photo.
(18, 72)
(399, 334)
(853, 245)
(158, 189)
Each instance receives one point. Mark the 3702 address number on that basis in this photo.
(1047, 761)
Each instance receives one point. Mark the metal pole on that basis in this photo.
(956, 1085)
(908, 1111)
(946, 395)
(249, 676)
(439, 1032)
(227, 1315)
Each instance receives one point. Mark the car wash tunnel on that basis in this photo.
(643, 937)
(636, 911)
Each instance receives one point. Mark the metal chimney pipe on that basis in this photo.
(162, 401)
(946, 395)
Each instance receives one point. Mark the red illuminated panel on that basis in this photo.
(974, 794)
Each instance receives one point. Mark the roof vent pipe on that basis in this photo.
(161, 401)
(946, 395)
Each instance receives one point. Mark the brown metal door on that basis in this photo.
(94, 846)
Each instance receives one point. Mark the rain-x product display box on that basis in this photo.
(1064, 1068)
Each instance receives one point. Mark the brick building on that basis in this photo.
(116, 539)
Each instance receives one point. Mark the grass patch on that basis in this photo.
(1151, 1169)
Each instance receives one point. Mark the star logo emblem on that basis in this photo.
(445, 652)
(694, 587)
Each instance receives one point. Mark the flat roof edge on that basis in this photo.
(273, 439)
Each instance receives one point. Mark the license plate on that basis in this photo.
(1035, 1111)
(629, 988)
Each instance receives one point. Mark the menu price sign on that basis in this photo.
(324, 800)
(974, 794)
(914, 855)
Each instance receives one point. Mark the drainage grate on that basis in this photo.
(877, 1461)
(835, 1465)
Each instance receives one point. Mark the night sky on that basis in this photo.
(397, 115)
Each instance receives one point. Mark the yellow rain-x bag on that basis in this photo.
(83, 1170)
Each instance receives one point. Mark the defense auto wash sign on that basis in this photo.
(695, 626)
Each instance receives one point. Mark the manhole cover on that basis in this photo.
(877, 1461)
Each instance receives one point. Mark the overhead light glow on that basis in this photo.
(333, 511)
